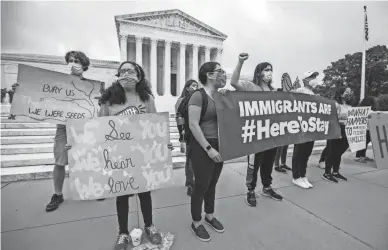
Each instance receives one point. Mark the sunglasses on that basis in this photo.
(74, 61)
(219, 72)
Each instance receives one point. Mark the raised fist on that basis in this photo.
(243, 56)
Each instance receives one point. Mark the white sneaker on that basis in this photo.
(321, 165)
(299, 182)
(307, 182)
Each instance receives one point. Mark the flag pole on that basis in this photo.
(365, 38)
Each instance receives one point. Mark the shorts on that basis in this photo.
(60, 141)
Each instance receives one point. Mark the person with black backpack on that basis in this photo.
(199, 112)
(190, 86)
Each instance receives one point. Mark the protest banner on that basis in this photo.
(252, 122)
(356, 127)
(378, 129)
(118, 155)
(49, 96)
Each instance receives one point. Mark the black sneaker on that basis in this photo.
(215, 224)
(251, 198)
(280, 170)
(200, 232)
(153, 235)
(329, 177)
(122, 242)
(189, 190)
(269, 192)
(285, 167)
(56, 200)
(339, 176)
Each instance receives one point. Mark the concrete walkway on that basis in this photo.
(350, 215)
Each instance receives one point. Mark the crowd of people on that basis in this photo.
(198, 128)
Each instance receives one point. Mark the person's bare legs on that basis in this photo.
(59, 175)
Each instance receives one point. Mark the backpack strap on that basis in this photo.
(205, 103)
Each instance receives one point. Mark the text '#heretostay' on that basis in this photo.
(264, 129)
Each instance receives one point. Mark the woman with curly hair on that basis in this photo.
(337, 147)
(130, 95)
(78, 63)
(190, 87)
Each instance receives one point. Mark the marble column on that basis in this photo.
(195, 62)
(219, 55)
(153, 66)
(139, 50)
(167, 68)
(207, 54)
(123, 48)
(182, 67)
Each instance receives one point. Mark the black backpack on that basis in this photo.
(183, 110)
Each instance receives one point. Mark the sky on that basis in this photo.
(294, 37)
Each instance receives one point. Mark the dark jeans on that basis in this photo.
(206, 173)
(123, 209)
(323, 154)
(189, 167)
(336, 148)
(362, 152)
(263, 160)
(281, 154)
(300, 157)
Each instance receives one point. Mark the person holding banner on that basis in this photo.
(207, 162)
(130, 95)
(337, 147)
(262, 81)
(302, 151)
(78, 63)
(190, 87)
(361, 154)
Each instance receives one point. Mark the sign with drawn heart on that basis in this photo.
(118, 155)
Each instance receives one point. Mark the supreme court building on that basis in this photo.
(170, 46)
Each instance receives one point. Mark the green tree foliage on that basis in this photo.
(347, 72)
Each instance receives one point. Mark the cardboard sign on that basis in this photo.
(118, 155)
(378, 128)
(252, 122)
(356, 127)
(48, 96)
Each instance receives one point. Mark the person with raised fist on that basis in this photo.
(262, 81)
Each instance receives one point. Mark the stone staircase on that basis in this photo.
(27, 149)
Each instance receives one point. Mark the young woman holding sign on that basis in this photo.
(207, 162)
(262, 81)
(131, 94)
(336, 147)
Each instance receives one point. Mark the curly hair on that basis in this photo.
(185, 90)
(257, 74)
(84, 60)
(115, 94)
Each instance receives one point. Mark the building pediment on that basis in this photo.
(171, 19)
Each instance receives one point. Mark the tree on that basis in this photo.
(347, 72)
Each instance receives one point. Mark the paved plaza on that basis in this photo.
(350, 215)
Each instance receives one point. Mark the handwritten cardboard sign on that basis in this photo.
(356, 127)
(252, 122)
(118, 155)
(378, 125)
(54, 97)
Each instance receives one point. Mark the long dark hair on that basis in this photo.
(338, 95)
(185, 90)
(115, 94)
(257, 74)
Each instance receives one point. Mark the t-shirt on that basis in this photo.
(208, 124)
(133, 106)
(248, 86)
